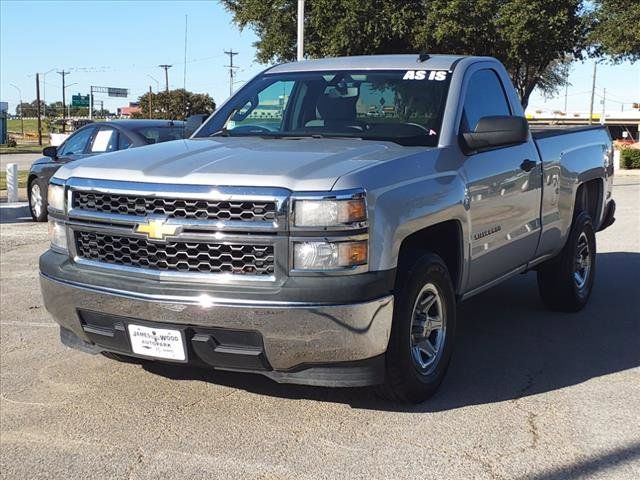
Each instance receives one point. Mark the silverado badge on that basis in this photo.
(157, 229)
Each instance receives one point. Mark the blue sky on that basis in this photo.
(120, 43)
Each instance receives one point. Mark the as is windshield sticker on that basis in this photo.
(437, 75)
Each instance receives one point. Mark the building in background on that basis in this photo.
(127, 112)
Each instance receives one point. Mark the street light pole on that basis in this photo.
(593, 91)
(300, 30)
(44, 91)
(21, 110)
(69, 107)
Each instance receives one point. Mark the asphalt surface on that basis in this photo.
(529, 394)
(24, 160)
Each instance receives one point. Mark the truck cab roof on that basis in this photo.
(374, 62)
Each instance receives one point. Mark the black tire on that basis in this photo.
(38, 208)
(558, 284)
(406, 379)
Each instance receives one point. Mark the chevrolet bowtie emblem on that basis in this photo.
(157, 229)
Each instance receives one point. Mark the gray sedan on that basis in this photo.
(93, 139)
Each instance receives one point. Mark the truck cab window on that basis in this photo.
(264, 111)
(484, 97)
(106, 140)
(401, 106)
(76, 144)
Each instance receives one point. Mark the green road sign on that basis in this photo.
(80, 100)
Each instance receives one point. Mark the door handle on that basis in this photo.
(528, 165)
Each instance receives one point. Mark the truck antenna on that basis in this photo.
(423, 56)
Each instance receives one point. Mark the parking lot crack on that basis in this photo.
(137, 461)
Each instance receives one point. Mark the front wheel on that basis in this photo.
(422, 334)
(37, 201)
(565, 282)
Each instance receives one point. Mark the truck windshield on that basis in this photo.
(402, 106)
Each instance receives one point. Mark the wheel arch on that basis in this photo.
(445, 239)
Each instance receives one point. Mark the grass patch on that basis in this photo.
(22, 149)
(30, 127)
(22, 179)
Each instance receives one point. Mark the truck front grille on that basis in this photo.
(254, 260)
(249, 211)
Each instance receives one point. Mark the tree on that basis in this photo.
(29, 109)
(55, 109)
(616, 32)
(535, 39)
(175, 104)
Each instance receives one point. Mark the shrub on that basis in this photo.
(630, 158)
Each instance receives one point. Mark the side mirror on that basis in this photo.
(497, 131)
(193, 122)
(50, 152)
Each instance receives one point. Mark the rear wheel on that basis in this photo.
(422, 334)
(565, 282)
(37, 200)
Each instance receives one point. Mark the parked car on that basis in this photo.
(92, 139)
(321, 245)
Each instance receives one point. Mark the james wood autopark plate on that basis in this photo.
(157, 342)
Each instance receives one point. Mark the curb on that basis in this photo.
(14, 211)
(626, 172)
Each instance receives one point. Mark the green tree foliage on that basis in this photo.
(535, 39)
(616, 31)
(29, 109)
(174, 105)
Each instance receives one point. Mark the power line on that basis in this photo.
(231, 67)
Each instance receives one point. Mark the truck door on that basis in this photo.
(504, 189)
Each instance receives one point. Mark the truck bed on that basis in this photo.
(545, 131)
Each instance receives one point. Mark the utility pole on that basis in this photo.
(38, 105)
(166, 76)
(150, 104)
(231, 53)
(64, 120)
(566, 94)
(593, 92)
(604, 100)
(300, 30)
(21, 110)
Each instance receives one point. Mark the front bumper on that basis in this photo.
(317, 344)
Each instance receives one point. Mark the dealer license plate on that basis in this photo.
(157, 342)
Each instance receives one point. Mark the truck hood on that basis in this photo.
(303, 164)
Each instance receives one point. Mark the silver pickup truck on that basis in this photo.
(322, 225)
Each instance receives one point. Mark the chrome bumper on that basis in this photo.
(293, 334)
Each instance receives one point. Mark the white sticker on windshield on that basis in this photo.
(101, 142)
(437, 75)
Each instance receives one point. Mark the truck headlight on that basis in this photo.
(58, 235)
(329, 255)
(55, 197)
(329, 212)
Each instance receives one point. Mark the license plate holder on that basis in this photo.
(155, 342)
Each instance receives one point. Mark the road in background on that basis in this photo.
(530, 394)
(24, 160)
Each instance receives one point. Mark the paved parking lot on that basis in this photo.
(24, 160)
(530, 394)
